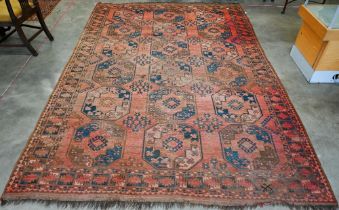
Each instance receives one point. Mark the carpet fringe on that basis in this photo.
(141, 205)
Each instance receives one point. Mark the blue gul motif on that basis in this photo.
(187, 112)
(179, 19)
(157, 95)
(260, 134)
(247, 97)
(157, 34)
(154, 157)
(184, 67)
(124, 94)
(212, 67)
(132, 44)
(236, 106)
(202, 26)
(164, 103)
(240, 81)
(158, 54)
(233, 158)
(169, 146)
(111, 155)
(118, 18)
(116, 26)
(108, 53)
(106, 64)
(156, 79)
(180, 27)
(85, 131)
(90, 109)
(159, 11)
(225, 35)
(182, 44)
(189, 132)
(208, 54)
(135, 34)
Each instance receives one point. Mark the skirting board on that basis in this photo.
(311, 75)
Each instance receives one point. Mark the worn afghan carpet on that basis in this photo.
(170, 103)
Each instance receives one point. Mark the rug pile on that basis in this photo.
(170, 103)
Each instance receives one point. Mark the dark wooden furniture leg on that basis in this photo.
(285, 5)
(25, 41)
(284, 9)
(288, 2)
(43, 25)
(3, 30)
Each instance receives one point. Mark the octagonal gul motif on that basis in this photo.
(114, 71)
(171, 74)
(169, 30)
(169, 50)
(107, 103)
(122, 30)
(225, 73)
(120, 48)
(172, 146)
(168, 15)
(213, 31)
(97, 143)
(248, 146)
(166, 103)
(133, 16)
(236, 106)
(212, 50)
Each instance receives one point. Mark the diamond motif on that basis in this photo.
(137, 122)
(171, 103)
(235, 104)
(170, 49)
(97, 143)
(247, 145)
(172, 144)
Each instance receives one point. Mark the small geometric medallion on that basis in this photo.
(247, 145)
(171, 103)
(97, 143)
(172, 144)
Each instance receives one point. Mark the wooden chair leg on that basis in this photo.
(2, 32)
(25, 41)
(43, 25)
(284, 9)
